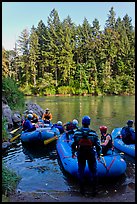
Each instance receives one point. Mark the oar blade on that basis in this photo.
(50, 140)
(15, 130)
(14, 138)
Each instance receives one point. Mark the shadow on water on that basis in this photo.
(40, 152)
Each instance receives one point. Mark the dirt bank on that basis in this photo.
(69, 196)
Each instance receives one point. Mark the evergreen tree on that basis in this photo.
(66, 65)
(54, 26)
(5, 63)
(23, 46)
(33, 55)
(43, 41)
(110, 22)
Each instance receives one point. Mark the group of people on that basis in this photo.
(31, 118)
(86, 145)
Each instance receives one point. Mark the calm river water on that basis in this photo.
(40, 169)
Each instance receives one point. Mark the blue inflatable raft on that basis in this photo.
(42, 135)
(112, 165)
(120, 145)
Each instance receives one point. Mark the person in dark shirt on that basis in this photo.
(87, 145)
(128, 133)
(59, 126)
(27, 125)
(70, 127)
(35, 116)
(106, 140)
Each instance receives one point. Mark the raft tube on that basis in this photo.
(39, 135)
(111, 165)
(120, 145)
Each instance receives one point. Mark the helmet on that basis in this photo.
(30, 116)
(75, 122)
(103, 129)
(31, 111)
(47, 109)
(59, 123)
(130, 122)
(86, 120)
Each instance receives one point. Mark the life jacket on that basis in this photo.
(110, 143)
(126, 135)
(70, 126)
(27, 126)
(85, 139)
(47, 116)
(60, 127)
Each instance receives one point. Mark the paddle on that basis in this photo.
(50, 140)
(45, 141)
(14, 138)
(15, 130)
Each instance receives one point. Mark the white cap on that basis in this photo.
(59, 123)
(75, 122)
(47, 109)
(30, 116)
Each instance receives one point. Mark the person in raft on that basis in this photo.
(27, 125)
(70, 127)
(128, 133)
(47, 116)
(59, 126)
(35, 117)
(106, 140)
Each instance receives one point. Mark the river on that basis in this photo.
(40, 168)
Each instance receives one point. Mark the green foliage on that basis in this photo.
(65, 90)
(9, 180)
(5, 199)
(49, 91)
(71, 90)
(5, 63)
(81, 91)
(5, 135)
(128, 86)
(97, 91)
(26, 89)
(13, 95)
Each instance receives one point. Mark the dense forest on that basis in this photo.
(64, 58)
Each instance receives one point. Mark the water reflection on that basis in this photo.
(112, 111)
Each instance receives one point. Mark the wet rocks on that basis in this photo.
(35, 108)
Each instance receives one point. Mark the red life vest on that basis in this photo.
(85, 142)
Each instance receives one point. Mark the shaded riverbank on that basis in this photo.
(74, 196)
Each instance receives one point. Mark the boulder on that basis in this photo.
(5, 145)
(17, 119)
(35, 108)
(7, 114)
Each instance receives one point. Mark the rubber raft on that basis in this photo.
(111, 165)
(42, 135)
(120, 145)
